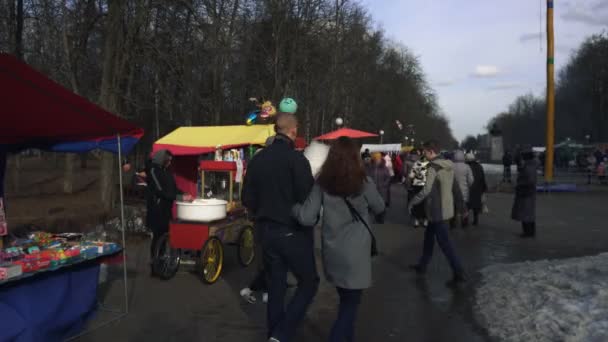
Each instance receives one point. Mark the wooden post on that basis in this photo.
(550, 95)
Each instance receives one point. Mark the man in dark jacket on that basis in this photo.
(161, 192)
(277, 178)
(443, 198)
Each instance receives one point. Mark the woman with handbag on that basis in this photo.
(346, 196)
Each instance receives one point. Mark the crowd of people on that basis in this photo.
(287, 193)
(344, 194)
(592, 163)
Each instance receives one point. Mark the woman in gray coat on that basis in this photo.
(524, 206)
(346, 196)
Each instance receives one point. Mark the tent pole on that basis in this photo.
(122, 224)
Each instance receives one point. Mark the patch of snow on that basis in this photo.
(556, 300)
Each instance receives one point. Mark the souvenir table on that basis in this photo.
(49, 294)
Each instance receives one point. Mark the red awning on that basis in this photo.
(345, 132)
(38, 111)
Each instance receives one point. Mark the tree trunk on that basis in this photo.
(108, 98)
(19, 30)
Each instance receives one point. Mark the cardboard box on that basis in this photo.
(10, 271)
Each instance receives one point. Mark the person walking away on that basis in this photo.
(379, 174)
(398, 166)
(439, 193)
(161, 192)
(366, 155)
(260, 280)
(278, 178)
(507, 161)
(601, 171)
(591, 166)
(388, 161)
(417, 180)
(346, 196)
(524, 205)
(599, 156)
(464, 180)
(478, 188)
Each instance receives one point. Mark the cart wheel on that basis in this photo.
(212, 260)
(246, 246)
(166, 259)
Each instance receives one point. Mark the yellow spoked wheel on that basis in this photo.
(212, 260)
(246, 246)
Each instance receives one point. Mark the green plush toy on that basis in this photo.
(288, 105)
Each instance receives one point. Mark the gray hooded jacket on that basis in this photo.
(440, 191)
(463, 174)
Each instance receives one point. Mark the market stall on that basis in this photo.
(209, 162)
(48, 282)
(386, 148)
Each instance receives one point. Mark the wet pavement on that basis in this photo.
(401, 306)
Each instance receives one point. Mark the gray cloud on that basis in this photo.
(602, 5)
(530, 36)
(444, 83)
(504, 86)
(486, 71)
(586, 17)
(563, 49)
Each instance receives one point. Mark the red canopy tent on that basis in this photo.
(38, 112)
(345, 132)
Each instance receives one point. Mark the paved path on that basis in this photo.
(400, 306)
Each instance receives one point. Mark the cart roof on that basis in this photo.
(199, 140)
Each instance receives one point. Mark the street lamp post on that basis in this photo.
(381, 135)
(339, 122)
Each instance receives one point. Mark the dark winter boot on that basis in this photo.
(419, 269)
(458, 279)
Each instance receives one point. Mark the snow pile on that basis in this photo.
(560, 300)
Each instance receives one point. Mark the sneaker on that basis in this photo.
(416, 224)
(418, 268)
(425, 223)
(272, 339)
(265, 297)
(248, 296)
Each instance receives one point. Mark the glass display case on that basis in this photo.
(221, 180)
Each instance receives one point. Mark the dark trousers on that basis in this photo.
(260, 282)
(156, 234)
(507, 174)
(439, 231)
(287, 249)
(380, 217)
(476, 213)
(529, 228)
(344, 326)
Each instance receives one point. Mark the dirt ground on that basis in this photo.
(34, 193)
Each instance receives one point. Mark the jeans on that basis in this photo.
(344, 326)
(507, 174)
(439, 231)
(288, 249)
(260, 282)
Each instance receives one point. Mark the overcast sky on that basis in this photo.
(479, 55)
